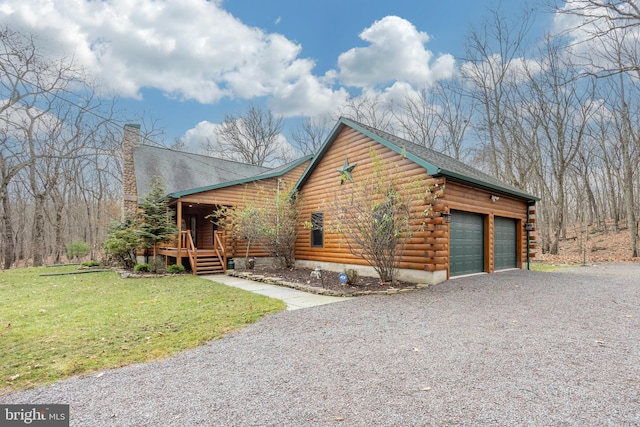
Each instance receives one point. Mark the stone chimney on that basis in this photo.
(129, 186)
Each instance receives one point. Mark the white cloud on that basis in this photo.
(197, 138)
(307, 96)
(196, 50)
(396, 52)
(190, 49)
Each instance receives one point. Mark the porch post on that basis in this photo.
(179, 245)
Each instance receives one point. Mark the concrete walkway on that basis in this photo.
(294, 298)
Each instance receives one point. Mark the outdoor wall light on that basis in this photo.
(446, 216)
(528, 226)
(494, 198)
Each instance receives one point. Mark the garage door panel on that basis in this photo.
(466, 243)
(505, 243)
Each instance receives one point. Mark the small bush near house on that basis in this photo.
(352, 276)
(91, 264)
(142, 268)
(120, 246)
(175, 269)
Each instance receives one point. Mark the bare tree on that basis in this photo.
(607, 163)
(50, 124)
(599, 18)
(369, 110)
(601, 24)
(254, 137)
(607, 42)
(437, 117)
(311, 134)
(13, 160)
(455, 115)
(28, 77)
(492, 69)
(419, 118)
(626, 115)
(562, 106)
(584, 171)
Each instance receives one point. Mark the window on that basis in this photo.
(317, 229)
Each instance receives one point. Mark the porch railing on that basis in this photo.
(220, 245)
(186, 241)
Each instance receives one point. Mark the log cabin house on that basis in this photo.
(197, 186)
(478, 223)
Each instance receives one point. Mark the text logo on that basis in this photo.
(34, 415)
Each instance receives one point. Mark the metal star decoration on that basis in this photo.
(345, 172)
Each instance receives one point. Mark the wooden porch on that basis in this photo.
(202, 261)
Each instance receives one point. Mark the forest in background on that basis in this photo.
(558, 117)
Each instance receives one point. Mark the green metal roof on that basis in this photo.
(435, 163)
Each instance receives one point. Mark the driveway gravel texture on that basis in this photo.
(511, 348)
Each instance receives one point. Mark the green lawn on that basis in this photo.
(58, 326)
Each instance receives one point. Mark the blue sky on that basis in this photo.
(187, 63)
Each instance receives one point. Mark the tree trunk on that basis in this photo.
(59, 231)
(38, 232)
(629, 201)
(9, 242)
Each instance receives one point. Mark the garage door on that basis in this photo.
(466, 243)
(504, 243)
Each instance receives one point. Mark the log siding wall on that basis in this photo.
(463, 197)
(428, 250)
(236, 195)
(323, 184)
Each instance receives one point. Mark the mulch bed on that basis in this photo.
(328, 284)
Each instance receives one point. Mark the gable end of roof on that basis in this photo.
(435, 163)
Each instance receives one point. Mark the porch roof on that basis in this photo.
(180, 171)
(270, 173)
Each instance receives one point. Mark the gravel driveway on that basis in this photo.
(513, 348)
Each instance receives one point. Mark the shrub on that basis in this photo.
(352, 276)
(120, 246)
(77, 249)
(375, 213)
(175, 269)
(155, 221)
(144, 267)
(91, 263)
(269, 219)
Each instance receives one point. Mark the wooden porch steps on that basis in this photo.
(208, 265)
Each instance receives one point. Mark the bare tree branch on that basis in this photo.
(254, 137)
